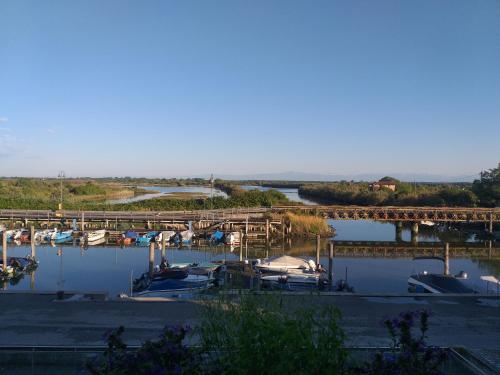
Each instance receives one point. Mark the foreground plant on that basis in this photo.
(167, 355)
(255, 335)
(408, 355)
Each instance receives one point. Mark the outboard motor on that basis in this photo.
(461, 275)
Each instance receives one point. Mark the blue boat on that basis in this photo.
(130, 234)
(146, 239)
(217, 236)
(61, 237)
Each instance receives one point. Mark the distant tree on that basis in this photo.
(487, 188)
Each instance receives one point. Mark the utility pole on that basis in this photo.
(61, 176)
(211, 190)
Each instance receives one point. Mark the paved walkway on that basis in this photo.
(39, 320)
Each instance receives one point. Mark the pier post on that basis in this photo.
(399, 231)
(82, 222)
(32, 239)
(241, 246)
(330, 264)
(446, 258)
(318, 248)
(4, 251)
(267, 229)
(163, 246)
(491, 223)
(151, 258)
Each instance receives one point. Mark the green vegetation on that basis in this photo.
(258, 335)
(351, 193)
(249, 334)
(304, 224)
(487, 188)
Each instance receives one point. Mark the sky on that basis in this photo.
(189, 88)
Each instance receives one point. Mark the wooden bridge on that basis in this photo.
(240, 215)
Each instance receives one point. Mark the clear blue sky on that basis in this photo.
(165, 88)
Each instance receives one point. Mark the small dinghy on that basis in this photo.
(285, 263)
(217, 236)
(127, 238)
(61, 237)
(93, 238)
(146, 239)
(169, 234)
(183, 237)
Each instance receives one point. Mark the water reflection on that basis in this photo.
(371, 266)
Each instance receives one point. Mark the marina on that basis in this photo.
(378, 265)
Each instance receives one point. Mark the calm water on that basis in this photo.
(109, 268)
(166, 190)
(290, 193)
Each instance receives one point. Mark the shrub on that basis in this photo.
(253, 335)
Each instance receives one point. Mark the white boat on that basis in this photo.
(233, 239)
(169, 234)
(284, 264)
(493, 280)
(186, 235)
(40, 235)
(92, 237)
(17, 234)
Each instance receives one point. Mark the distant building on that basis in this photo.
(384, 183)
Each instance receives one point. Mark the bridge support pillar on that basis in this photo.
(4, 251)
(446, 258)
(414, 233)
(399, 231)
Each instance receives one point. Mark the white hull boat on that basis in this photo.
(92, 237)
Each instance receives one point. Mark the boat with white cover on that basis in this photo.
(285, 263)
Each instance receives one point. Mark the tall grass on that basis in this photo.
(308, 224)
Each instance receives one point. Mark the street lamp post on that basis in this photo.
(61, 176)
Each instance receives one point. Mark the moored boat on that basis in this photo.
(169, 234)
(93, 237)
(146, 239)
(64, 236)
(285, 263)
(233, 239)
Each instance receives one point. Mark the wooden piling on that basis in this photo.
(163, 247)
(267, 229)
(330, 264)
(32, 239)
(4, 251)
(82, 222)
(318, 248)
(241, 246)
(446, 258)
(151, 258)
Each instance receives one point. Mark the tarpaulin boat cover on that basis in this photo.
(286, 261)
